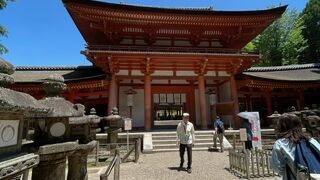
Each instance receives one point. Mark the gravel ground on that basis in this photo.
(163, 166)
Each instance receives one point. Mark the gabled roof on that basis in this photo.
(71, 73)
(302, 72)
(102, 23)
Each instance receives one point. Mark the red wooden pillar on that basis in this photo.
(234, 95)
(269, 102)
(202, 100)
(248, 103)
(113, 94)
(301, 99)
(147, 102)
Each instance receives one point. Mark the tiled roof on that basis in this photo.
(71, 73)
(302, 72)
(284, 68)
(140, 8)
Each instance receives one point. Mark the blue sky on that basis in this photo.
(41, 32)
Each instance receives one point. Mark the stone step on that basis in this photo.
(174, 146)
(177, 149)
(174, 141)
(202, 136)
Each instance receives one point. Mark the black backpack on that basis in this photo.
(220, 127)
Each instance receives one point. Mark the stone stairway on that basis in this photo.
(166, 141)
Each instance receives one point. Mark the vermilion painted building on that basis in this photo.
(172, 58)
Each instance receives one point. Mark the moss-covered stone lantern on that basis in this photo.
(14, 108)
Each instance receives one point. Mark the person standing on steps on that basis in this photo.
(185, 140)
(218, 133)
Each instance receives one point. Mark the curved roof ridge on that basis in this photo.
(208, 10)
(284, 68)
(22, 68)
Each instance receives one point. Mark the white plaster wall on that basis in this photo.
(186, 73)
(163, 43)
(126, 41)
(162, 73)
(182, 43)
(225, 92)
(179, 81)
(159, 81)
(137, 109)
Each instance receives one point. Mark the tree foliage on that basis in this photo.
(3, 30)
(295, 45)
(311, 32)
(293, 39)
(272, 42)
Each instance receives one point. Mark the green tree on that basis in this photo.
(270, 43)
(311, 32)
(295, 45)
(3, 30)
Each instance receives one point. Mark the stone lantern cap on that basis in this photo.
(114, 115)
(274, 115)
(54, 85)
(13, 101)
(62, 108)
(6, 69)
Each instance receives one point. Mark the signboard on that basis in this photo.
(127, 124)
(254, 120)
(243, 134)
(8, 132)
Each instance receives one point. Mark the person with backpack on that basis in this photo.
(247, 125)
(218, 133)
(294, 155)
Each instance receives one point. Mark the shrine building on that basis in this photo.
(156, 63)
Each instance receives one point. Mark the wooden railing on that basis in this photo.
(114, 164)
(117, 160)
(162, 49)
(251, 164)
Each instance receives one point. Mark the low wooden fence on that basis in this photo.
(117, 159)
(251, 164)
(103, 151)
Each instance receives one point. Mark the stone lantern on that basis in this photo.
(66, 122)
(274, 119)
(15, 107)
(113, 129)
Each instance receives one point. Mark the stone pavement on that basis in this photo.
(163, 166)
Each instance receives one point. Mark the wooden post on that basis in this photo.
(247, 161)
(252, 162)
(267, 162)
(230, 159)
(25, 175)
(137, 151)
(97, 153)
(262, 163)
(117, 166)
(234, 141)
(257, 160)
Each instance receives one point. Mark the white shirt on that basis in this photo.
(185, 133)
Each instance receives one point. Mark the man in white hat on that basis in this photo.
(186, 139)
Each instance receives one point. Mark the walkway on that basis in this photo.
(163, 166)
